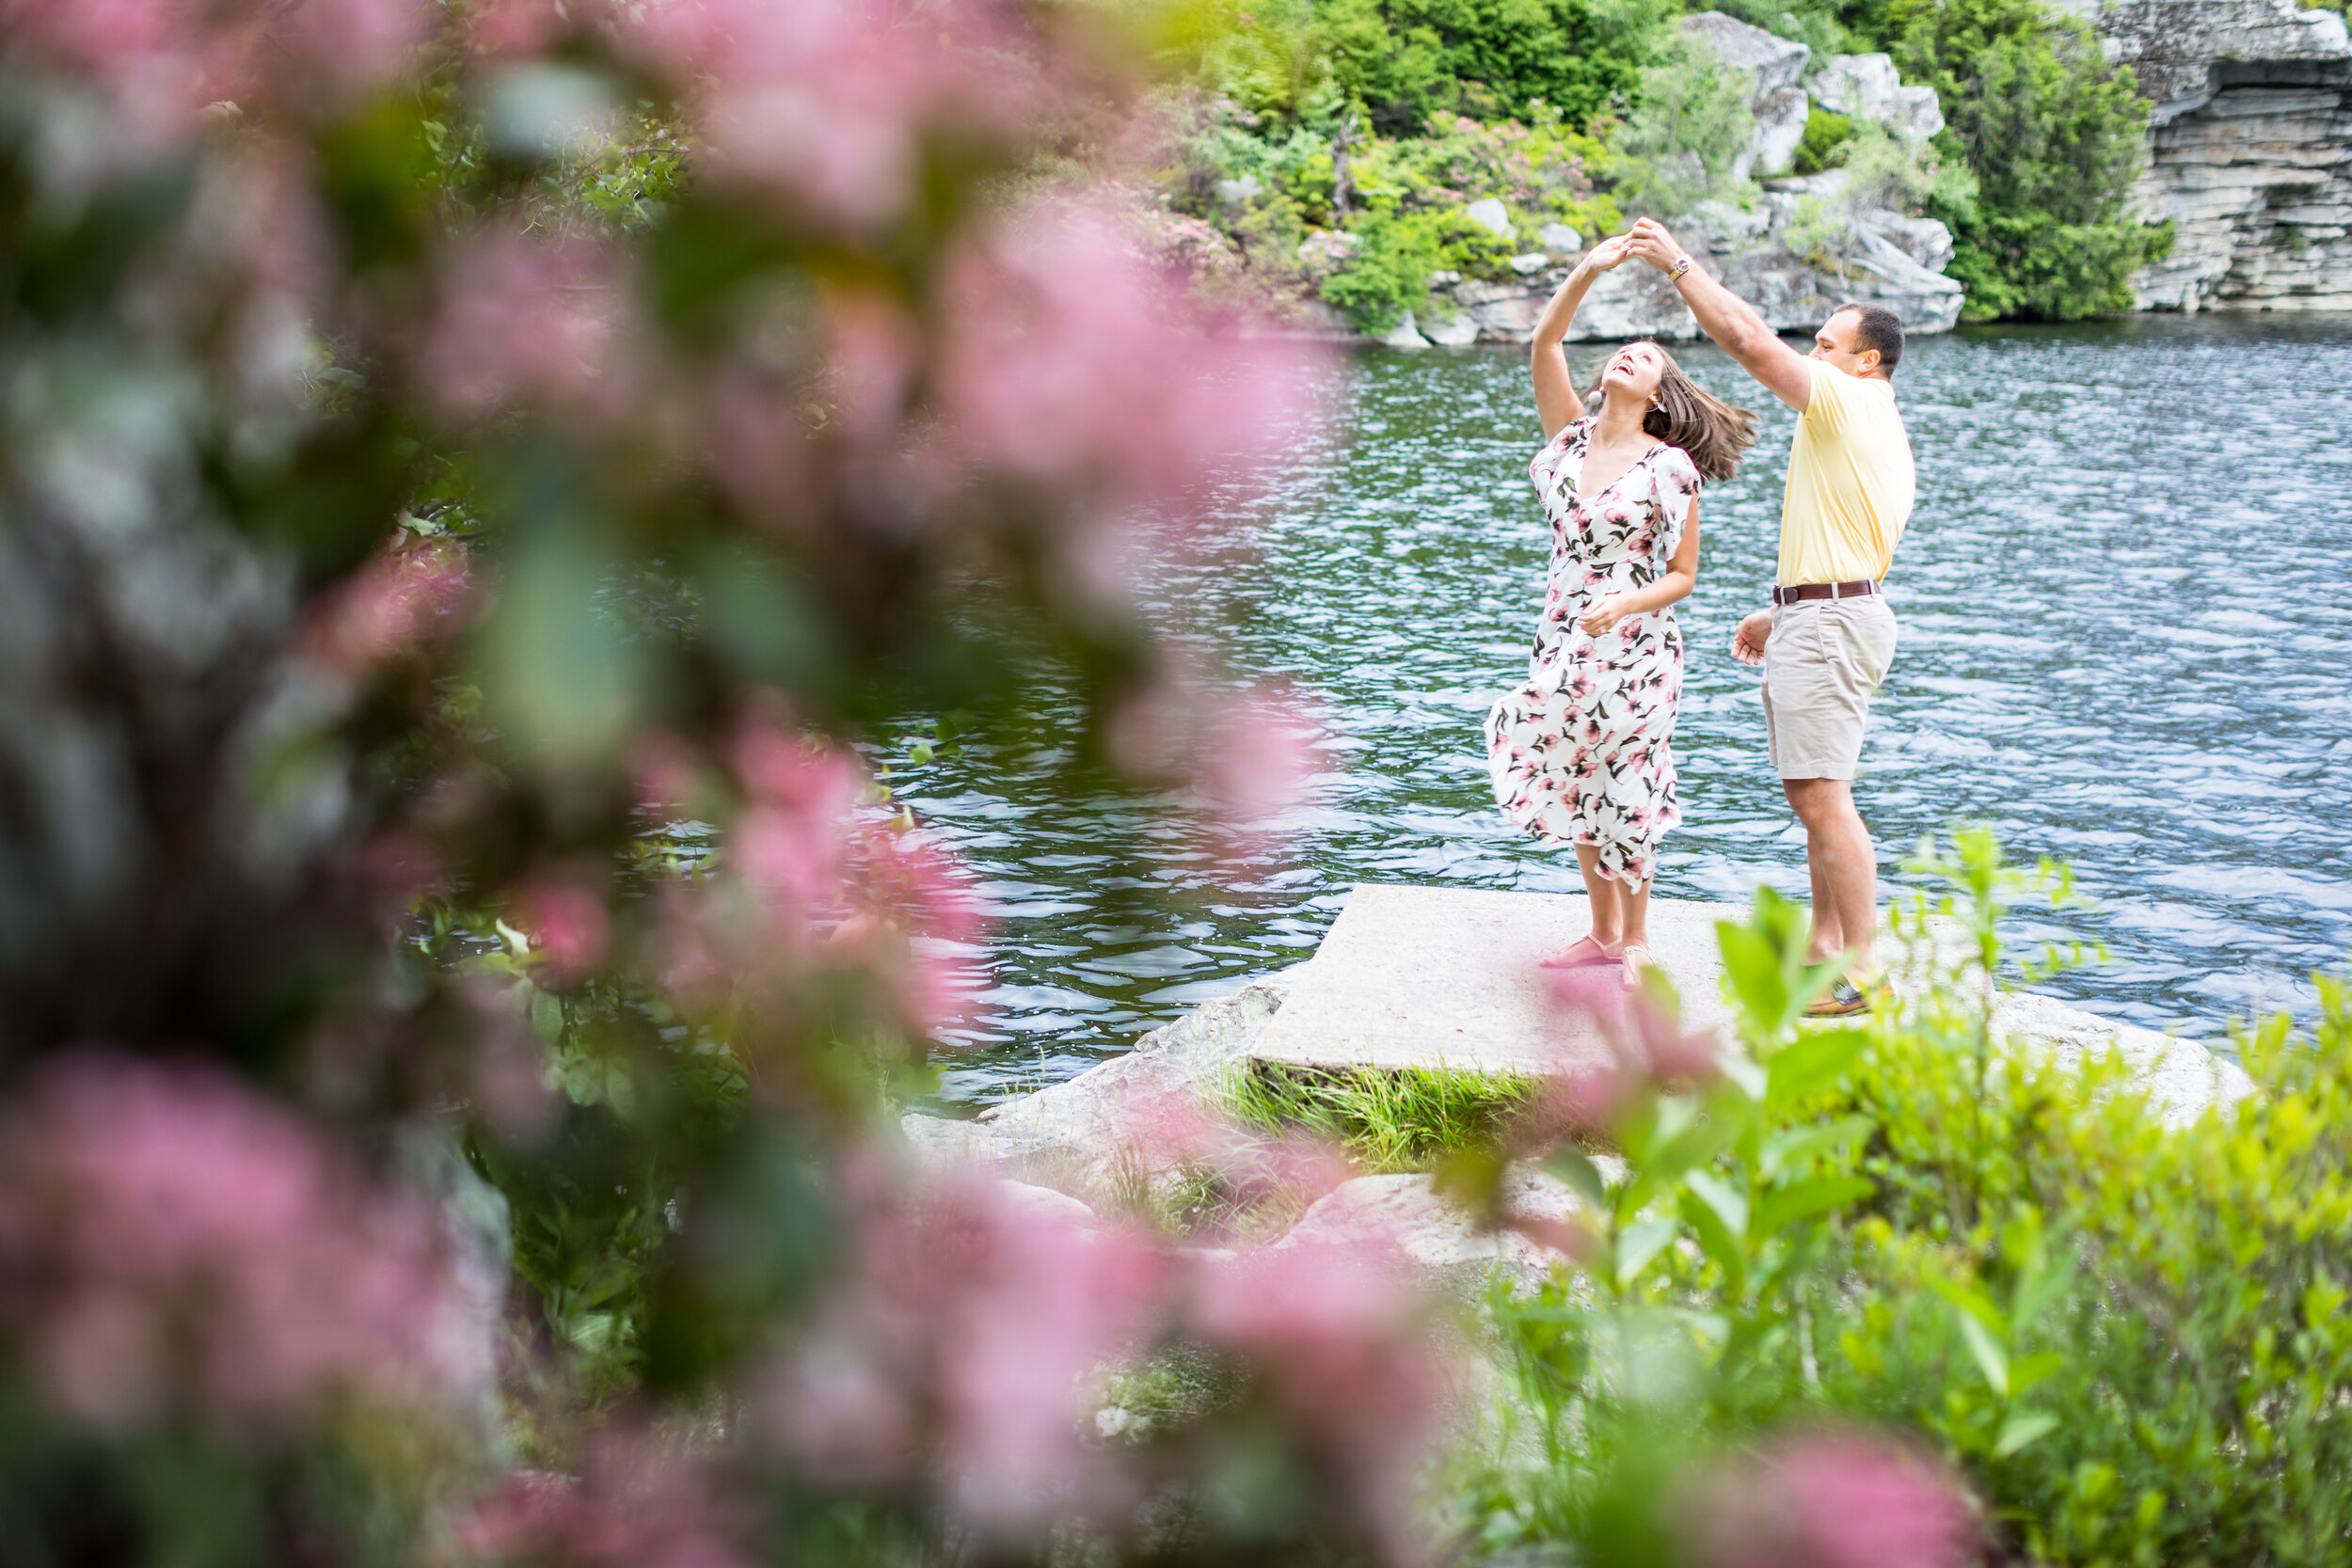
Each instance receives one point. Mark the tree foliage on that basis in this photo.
(2055, 136)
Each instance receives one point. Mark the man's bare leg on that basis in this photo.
(1844, 867)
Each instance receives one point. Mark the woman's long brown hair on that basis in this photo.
(1713, 432)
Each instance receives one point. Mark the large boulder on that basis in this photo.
(1103, 1119)
(1776, 62)
(1776, 101)
(1780, 119)
(1406, 1217)
(1865, 87)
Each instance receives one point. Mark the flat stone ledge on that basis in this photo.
(1445, 977)
(1448, 977)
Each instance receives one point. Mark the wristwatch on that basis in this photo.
(1673, 273)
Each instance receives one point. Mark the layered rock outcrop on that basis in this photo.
(2249, 149)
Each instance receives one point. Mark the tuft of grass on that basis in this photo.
(1409, 1119)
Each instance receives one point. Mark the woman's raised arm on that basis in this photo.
(1556, 403)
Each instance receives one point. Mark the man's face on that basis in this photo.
(1838, 343)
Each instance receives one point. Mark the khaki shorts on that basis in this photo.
(1824, 660)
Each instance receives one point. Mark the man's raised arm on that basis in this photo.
(1726, 317)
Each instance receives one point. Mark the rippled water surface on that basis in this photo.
(2126, 640)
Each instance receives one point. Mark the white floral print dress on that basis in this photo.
(1584, 752)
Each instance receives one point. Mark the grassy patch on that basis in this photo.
(1408, 1119)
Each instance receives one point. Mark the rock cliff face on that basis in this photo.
(2249, 149)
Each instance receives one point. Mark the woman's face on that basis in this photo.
(1634, 371)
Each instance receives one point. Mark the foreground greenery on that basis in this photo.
(1328, 147)
(2131, 1337)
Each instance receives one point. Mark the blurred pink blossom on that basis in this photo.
(570, 925)
(1836, 1499)
(161, 61)
(548, 323)
(1063, 364)
(634, 1507)
(813, 882)
(969, 1323)
(169, 1242)
(829, 102)
(407, 595)
(1344, 1337)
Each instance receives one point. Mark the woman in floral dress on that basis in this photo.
(1582, 753)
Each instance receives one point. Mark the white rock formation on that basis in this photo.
(1777, 101)
(2182, 1078)
(1489, 213)
(1450, 328)
(1776, 62)
(1405, 1214)
(1780, 119)
(1404, 334)
(2249, 149)
(1097, 1119)
(1559, 239)
(1865, 87)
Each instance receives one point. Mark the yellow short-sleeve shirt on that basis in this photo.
(1851, 482)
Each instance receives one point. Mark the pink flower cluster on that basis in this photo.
(161, 61)
(1063, 365)
(815, 883)
(170, 1243)
(633, 1508)
(972, 1324)
(1836, 1499)
(406, 596)
(536, 322)
(829, 103)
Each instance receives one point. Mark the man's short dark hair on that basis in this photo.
(1877, 328)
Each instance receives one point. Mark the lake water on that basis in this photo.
(2125, 602)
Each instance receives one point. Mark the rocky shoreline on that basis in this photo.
(2250, 156)
(1104, 1130)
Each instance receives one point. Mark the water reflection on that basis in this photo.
(2126, 609)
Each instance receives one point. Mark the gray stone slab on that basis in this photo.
(1437, 977)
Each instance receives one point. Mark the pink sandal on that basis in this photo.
(1633, 966)
(1565, 957)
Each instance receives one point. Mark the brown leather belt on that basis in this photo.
(1824, 591)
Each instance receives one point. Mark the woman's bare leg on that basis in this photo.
(1633, 907)
(1608, 901)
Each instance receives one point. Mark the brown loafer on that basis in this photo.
(1848, 996)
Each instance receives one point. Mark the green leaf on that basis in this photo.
(1574, 1166)
(1811, 1062)
(2026, 1370)
(1794, 1147)
(546, 1017)
(2021, 1428)
(1717, 1240)
(1753, 971)
(1729, 1206)
(1638, 1243)
(1991, 1359)
(1787, 1206)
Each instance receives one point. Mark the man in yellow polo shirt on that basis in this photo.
(1829, 637)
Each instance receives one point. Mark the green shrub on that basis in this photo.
(1678, 148)
(2055, 136)
(2133, 1338)
(1397, 252)
(1407, 59)
(1826, 133)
